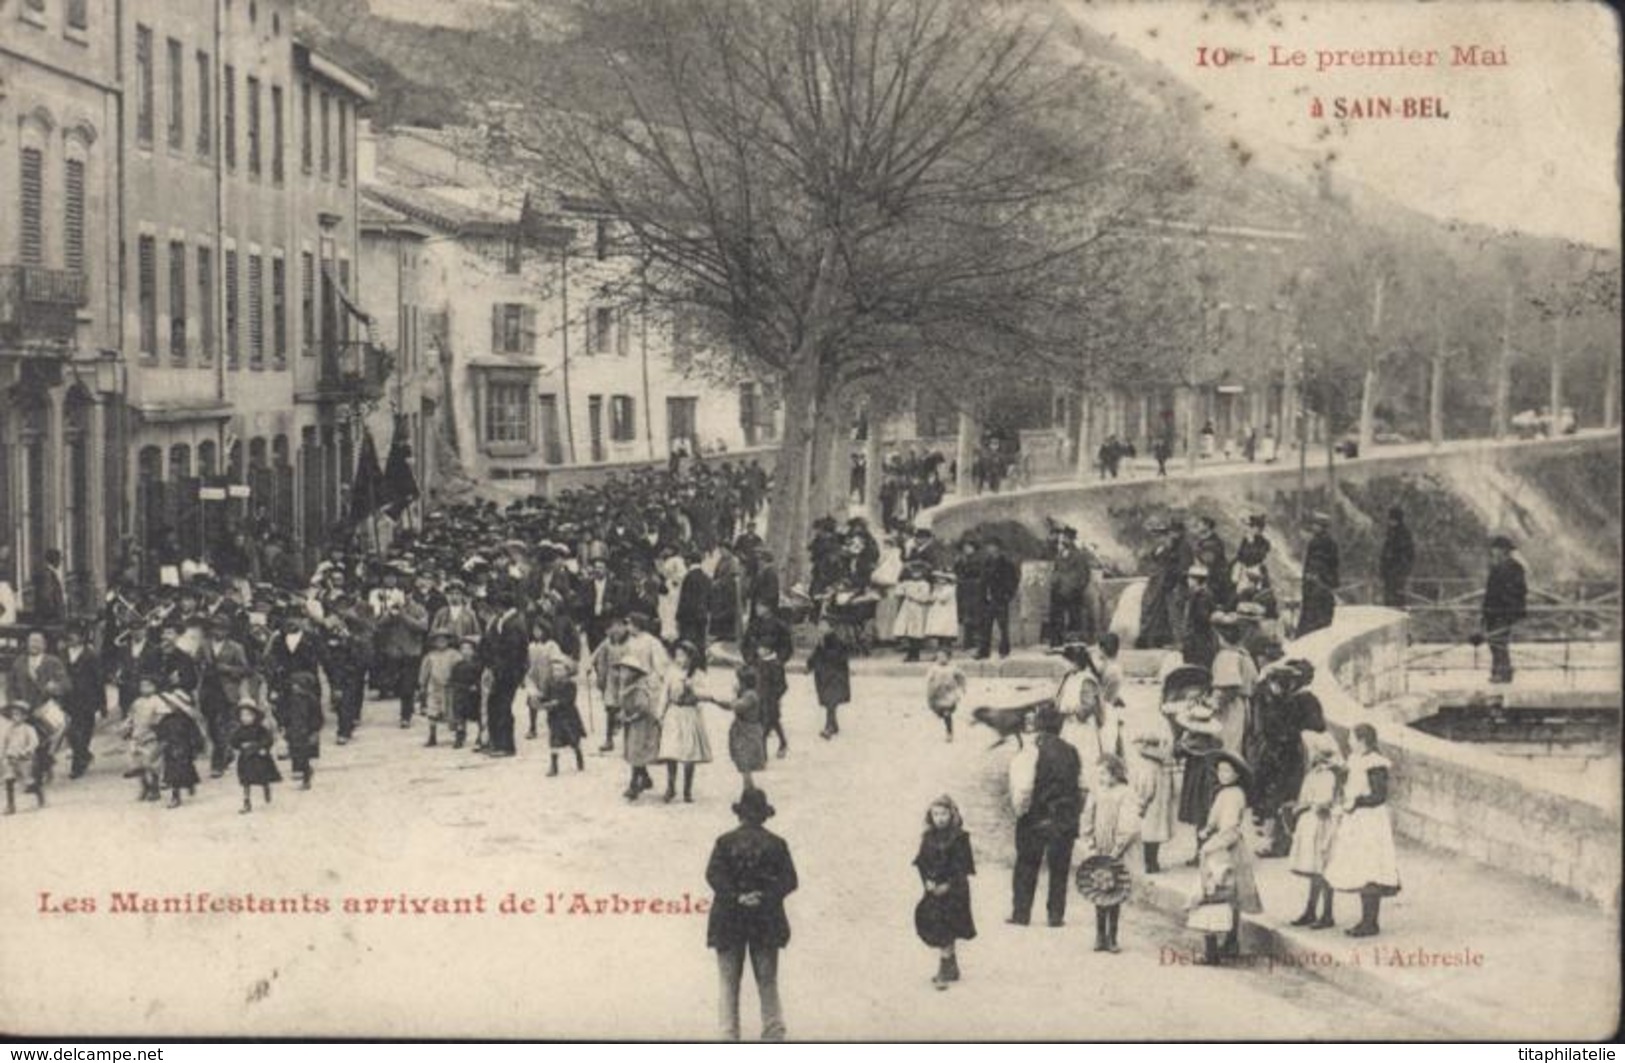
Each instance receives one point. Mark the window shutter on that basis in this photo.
(528, 319)
(623, 331)
(496, 327)
(73, 234)
(33, 196)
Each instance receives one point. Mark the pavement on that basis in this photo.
(391, 820)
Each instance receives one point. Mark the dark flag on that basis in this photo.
(367, 489)
(400, 487)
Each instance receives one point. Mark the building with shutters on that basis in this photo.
(244, 354)
(528, 356)
(60, 425)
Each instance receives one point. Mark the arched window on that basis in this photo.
(206, 462)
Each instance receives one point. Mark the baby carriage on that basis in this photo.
(851, 615)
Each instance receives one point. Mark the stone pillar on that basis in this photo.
(871, 470)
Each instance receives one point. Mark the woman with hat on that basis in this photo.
(1315, 824)
(1110, 826)
(1224, 857)
(642, 666)
(1197, 642)
(682, 727)
(1362, 856)
(750, 872)
(252, 743)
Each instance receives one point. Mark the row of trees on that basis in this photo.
(866, 198)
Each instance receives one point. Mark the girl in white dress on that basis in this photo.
(1362, 856)
(683, 739)
(1316, 810)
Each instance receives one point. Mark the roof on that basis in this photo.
(440, 212)
(308, 58)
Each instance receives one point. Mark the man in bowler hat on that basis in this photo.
(751, 873)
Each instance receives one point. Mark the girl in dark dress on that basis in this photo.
(180, 740)
(255, 764)
(945, 863)
(564, 727)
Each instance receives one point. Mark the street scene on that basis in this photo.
(737, 520)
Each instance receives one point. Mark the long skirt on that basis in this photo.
(1362, 853)
(1311, 843)
(1196, 791)
(1153, 784)
(682, 736)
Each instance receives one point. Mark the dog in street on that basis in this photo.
(1010, 722)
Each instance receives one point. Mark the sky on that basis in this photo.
(1531, 145)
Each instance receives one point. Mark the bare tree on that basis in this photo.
(851, 191)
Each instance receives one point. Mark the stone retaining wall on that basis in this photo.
(1512, 813)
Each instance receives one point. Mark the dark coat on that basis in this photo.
(87, 688)
(50, 601)
(180, 741)
(1398, 553)
(750, 859)
(224, 669)
(1057, 800)
(1506, 594)
(1000, 579)
(832, 671)
(280, 663)
(505, 650)
(969, 589)
(940, 920)
(255, 764)
(694, 602)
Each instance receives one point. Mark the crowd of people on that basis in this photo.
(612, 595)
(629, 597)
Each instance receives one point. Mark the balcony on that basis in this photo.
(40, 306)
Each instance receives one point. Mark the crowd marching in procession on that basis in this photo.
(625, 595)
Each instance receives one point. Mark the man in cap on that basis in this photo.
(1506, 598)
(1320, 576)
(138, 658)
(1045, 792)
